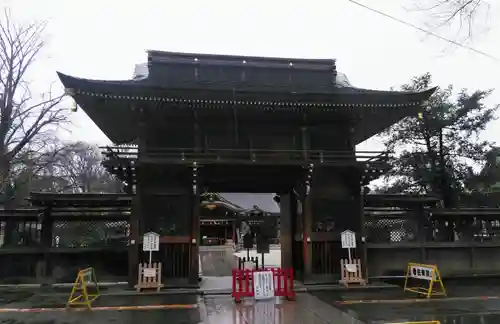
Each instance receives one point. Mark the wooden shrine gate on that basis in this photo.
(220, 123)
(168, 203)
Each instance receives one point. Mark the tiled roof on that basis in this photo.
(249, 201)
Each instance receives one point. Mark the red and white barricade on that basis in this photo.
(243, 283)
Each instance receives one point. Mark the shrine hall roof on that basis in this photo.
(243, 202)
(235, 81)
(253, 201)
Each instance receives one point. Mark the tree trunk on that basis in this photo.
(433, 161)
(7, 193)
(446, 181)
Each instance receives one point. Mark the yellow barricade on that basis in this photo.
(429, 274)
(80, 294)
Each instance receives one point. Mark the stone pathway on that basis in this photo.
(217, 261)
(305, 310)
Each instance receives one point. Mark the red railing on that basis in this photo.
(283, 280)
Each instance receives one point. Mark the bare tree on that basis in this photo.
(26, 119)
(31, 170)
(463, 16)
(78, 169)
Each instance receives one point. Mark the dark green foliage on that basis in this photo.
(488, 179)
(435, 150)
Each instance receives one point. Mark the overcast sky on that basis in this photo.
(103, 39)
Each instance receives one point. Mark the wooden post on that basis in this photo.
(133, 248)
(421, 231)
(195, 205)
(363, 228)
(46, 237)
(195, 225)
(137, 210)
(294, 219)
(307, 205)
(286, 232)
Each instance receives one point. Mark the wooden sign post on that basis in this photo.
(262, 247)
(351, 268)
(150, 273)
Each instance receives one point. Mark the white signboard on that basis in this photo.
(348, 239)
(263, 285)
(149, 272)
(421, 272)
(151, 242)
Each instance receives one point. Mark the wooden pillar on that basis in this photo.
(293, 228)
(286, 230)
(306, 203)
(195, 205)
(134, 240)
(421, 230)
(137, 210)
(307, 241)
(362, 239)
(46, 240)
(195, 230)
(233, 233)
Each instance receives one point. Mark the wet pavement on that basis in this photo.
(185, 309)
(473, 302)
(305, 310)
(204, 310)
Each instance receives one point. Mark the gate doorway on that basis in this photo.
(224, 219)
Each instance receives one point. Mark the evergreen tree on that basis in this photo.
(436, 149)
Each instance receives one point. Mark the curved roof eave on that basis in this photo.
(353, 90)
(231, 207)
(71, 82)
(87, 92)
(103, 118)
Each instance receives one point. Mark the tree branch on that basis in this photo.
(24, 119)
